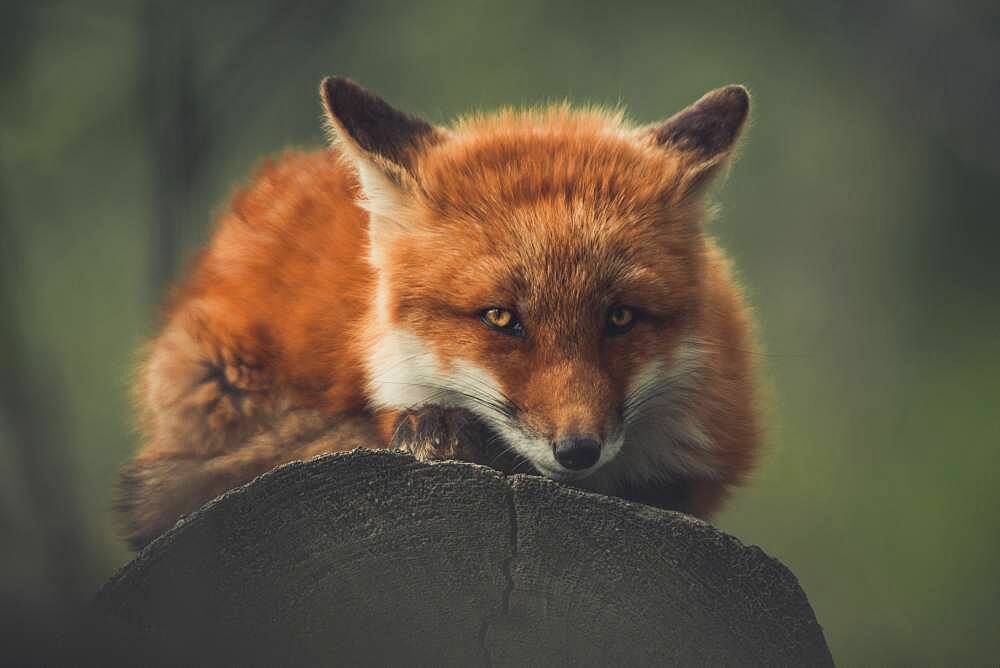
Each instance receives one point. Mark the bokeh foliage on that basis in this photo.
(861, 216)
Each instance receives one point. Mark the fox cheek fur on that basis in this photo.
(346, 290)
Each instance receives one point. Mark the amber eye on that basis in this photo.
(502, 320)
(620, 319)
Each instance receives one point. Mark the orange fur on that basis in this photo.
(559, 214)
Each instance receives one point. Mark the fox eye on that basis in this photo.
(502, 320)
(620, 320)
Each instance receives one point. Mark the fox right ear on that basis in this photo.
(703, 135)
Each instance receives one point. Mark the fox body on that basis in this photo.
(532, 290)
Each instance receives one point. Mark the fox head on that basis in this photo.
(543, 269)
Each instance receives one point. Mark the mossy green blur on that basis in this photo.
(860, 214)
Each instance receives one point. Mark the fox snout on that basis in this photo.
(577, 452)
(570, 420)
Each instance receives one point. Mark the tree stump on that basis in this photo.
(370, 557)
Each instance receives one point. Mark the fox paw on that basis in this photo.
(432, 433)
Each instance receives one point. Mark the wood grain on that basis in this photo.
(370, 557)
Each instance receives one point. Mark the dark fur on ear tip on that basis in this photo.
(710, 126)
(374, 125)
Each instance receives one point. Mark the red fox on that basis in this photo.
(532, 290)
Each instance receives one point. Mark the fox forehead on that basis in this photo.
(550, 257)
(548, 208)
(555, 155)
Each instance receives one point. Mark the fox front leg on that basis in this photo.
(434, 433)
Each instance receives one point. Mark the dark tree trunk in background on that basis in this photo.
(177, 146)
(181, 110)
(48, 530)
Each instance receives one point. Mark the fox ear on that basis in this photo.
(383, 144)
(372, 130)
(703, 135)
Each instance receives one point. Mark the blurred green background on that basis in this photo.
(861, 215)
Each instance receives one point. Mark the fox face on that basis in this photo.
(544, 270)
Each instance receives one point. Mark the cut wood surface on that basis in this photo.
(371, 557)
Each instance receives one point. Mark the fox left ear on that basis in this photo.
(383, 144)
(703, 135)
(372, 130)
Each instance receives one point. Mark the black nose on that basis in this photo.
(578, 452)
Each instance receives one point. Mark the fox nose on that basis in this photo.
(577, 452)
